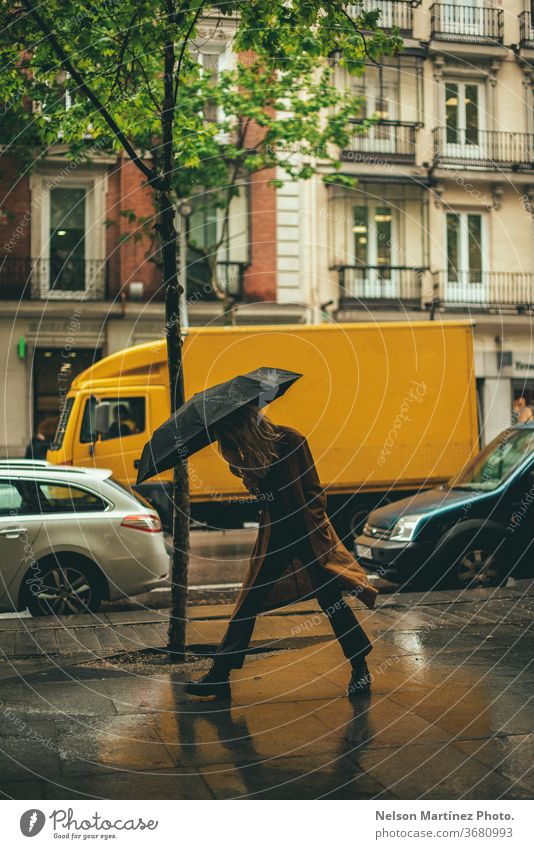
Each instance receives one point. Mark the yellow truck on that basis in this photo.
(388, 408)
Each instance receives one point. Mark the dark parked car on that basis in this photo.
(476, 530)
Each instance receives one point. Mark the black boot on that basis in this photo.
(360, 680)
(213, 683)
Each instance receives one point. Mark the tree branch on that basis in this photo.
(183, 48)
(82, 85)
(360, 33)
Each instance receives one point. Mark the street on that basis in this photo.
(266, 267)
(216, 568)
(91, 708)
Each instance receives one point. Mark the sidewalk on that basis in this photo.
(450, 714)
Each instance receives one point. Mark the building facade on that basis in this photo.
(439, 224)
(441, 221)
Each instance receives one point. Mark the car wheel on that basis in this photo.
(358, 518)
(63, 588)
(475, 563)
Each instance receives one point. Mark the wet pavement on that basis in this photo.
(450, 715)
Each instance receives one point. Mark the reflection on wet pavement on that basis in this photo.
(450, 716)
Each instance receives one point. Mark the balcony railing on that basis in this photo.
(65, 279)
(230, 279)
(468, 24)
(384, 283)
(392, 14)
(23, 278)
(384, 141)
(484, 149)
(485, 290)
(526, 32)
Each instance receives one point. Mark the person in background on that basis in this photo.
(37, 446)
(123, 425)
(525, 415)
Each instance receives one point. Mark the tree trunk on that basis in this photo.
(180, 496)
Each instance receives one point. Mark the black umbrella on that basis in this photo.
(189, 428)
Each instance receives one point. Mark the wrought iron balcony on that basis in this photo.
(56, 279)
(230, 280)
(491, 149)
(392, 14)
(384, 284)
(526, 32)
(485, 290)
(24, 278)
(467, 24)
(391, 141)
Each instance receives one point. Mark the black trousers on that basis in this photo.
(352, 638)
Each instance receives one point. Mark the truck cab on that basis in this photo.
(132, 391)
(474, 531)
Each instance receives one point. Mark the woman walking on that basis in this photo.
(297, 553)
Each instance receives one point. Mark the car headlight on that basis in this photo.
(405, 528)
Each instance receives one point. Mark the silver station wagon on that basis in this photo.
(72, 537)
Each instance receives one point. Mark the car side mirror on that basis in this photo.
(102, 417)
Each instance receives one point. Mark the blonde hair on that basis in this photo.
(247, 440)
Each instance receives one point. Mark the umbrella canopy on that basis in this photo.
(190, 428)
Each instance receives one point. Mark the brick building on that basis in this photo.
(441, 219)
(79, 276)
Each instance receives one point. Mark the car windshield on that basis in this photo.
(62, 424)
(497, 461)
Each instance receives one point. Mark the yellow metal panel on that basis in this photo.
(381, 404)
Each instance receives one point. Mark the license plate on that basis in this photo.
(364, 551)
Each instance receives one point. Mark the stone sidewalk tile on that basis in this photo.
(437, 771)
(450, 714)
(312, 777)
(181, 783)
(513, 755)
(22, 789)
(104, 634)
(245, 735)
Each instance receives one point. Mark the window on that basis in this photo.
(67, 233)
(210, 65)
(202, 238)
(214, 59)
(131, 492)
(62, 424)
(10, 499)
(373, 234)
(127, 417)
(67, 239)
(373, 230)
(64, 498)
(523, 398)
(496, 462)
(87, 431)
(463, 115)
(465, 251)
(380, 93)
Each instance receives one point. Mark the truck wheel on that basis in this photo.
(62, 587)
(474, 562)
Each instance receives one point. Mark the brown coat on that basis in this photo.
(301, 494)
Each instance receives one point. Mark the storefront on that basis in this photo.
(53, 370)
